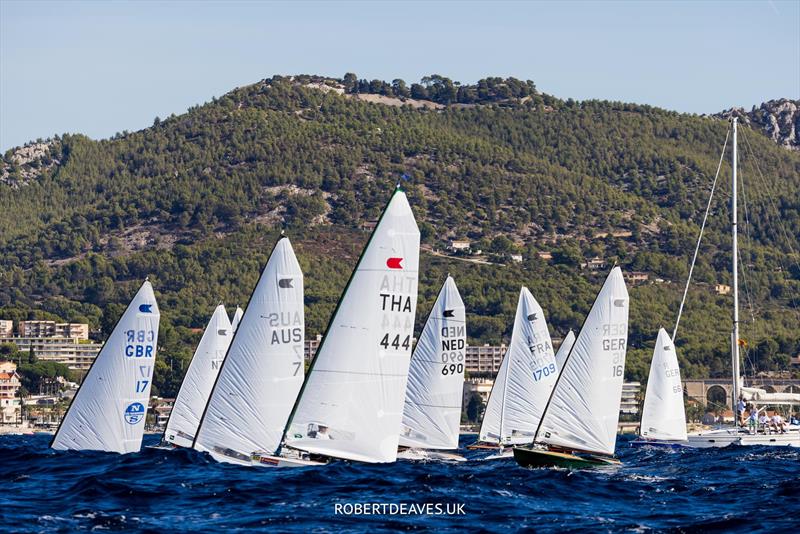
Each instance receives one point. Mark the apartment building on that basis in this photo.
(9, 391)
(6, 328)
(32, 329)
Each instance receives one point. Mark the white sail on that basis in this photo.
(263, 370)
(583, 411)
(525, 380)
(564, 349)
(109, 410)
(199, 379)
(351, 405)
(237, 317)
(432, 411)
(663, 416)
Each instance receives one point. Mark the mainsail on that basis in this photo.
(263, 370)
(199, 379)
(663, 415)
(583, 411)
(525, 379)
(237, 317)
(351, 405)
(109, 410)
(435, 389)
(564, 349)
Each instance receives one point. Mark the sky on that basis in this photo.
(99, 68)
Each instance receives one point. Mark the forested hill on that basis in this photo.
(197, 200)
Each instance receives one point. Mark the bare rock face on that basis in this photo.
(777, 119)
(24, 164)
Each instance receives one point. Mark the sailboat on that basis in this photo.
(262, 372)
(737, 435)
(434, 394)
(351, 404)
(663, 421)
(579, 424)
(564, 349)
(523, 383)
(109, 410)
(199, 379)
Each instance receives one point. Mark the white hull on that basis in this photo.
(731, 436)
(501, 454)
(425, 455)
(281, 461)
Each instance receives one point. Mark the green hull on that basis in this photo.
(528, 457)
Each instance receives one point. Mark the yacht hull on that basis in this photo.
(727, 437)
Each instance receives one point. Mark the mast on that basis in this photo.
(735, 333)
(505, 394)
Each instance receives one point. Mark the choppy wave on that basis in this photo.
(734, 489)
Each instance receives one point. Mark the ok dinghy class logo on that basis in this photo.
(134, 413)
(145, 308)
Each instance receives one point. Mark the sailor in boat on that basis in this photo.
(322, 432)
(763, 422)
(740, 406)
(752, 420)
(778, 424)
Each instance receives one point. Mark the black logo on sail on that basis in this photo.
(285, 283)
(532, 317)
(447, 313)
(222, 331)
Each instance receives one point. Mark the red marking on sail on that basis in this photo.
(394, 263)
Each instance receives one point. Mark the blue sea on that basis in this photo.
(738, 489)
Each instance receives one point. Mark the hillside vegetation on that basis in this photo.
(196, 201)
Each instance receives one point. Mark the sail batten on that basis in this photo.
(199, 379)
(109, 410)
(432, 411)
(351, 404)
(583, 411)
(525, 379)
(263, 370)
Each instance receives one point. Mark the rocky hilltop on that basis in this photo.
(777, 119)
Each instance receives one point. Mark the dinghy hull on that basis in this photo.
(534, 457)
(665, 444)
(280, 461)
(426, 455)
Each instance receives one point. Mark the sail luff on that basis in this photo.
(526, 377)
(263, 369)
(432, 409)
(109, 409)
(351, 404)
(583, 410)
(663, 414)
(200, 377)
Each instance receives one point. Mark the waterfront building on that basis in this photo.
(9, 393)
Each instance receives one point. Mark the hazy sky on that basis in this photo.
(99, 68)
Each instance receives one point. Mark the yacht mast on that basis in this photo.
(735, 333)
